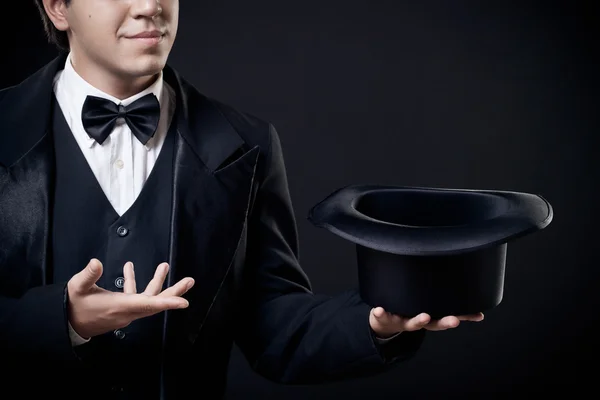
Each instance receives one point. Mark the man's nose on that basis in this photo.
(146, 8)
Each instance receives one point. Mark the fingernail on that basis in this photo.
(130, 263)
(190, 284)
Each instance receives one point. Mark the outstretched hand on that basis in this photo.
(94, 311)
(385, 324)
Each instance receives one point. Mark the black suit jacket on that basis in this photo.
(232, 229)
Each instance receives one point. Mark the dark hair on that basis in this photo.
(58, 38)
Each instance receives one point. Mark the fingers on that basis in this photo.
(443, 323)
(156, 284)
(451, 321)
(384, 322)
(128, 273)
(416, 323)
(178, 289)
(86, 278)
(471, 317)
(142, 305)
(388, 323)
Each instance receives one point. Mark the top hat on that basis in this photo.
(435, 250)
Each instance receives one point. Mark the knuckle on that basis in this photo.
(147, 308)
(177, 290)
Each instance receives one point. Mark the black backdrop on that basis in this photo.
(470, 94)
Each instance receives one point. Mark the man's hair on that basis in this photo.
(58, 38)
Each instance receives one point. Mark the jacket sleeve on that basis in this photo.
(287, 333)
(34, 326)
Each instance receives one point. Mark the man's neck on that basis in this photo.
(121, 87)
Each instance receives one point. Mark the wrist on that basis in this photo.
(385, 336)
(75, 337)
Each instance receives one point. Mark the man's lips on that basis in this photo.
(146, 35)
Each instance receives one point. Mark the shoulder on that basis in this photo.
(4, 92)
(223, 119)
(253, 129)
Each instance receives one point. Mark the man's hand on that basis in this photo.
(94, 311)
(386, 324)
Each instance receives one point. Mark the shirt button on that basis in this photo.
(119, 334)
(122, 231)
(119, 164)
(119, 282)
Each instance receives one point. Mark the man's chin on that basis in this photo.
(145, 61)
(144, 68)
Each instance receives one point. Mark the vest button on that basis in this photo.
(119, 334)
(119, 282)
(122, 231)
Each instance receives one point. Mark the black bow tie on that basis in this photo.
(99, 116)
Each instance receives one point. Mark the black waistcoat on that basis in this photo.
(84, 226)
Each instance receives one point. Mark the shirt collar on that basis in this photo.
(79, 89)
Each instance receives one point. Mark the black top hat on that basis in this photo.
(435, 250)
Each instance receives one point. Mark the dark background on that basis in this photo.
(464, 94)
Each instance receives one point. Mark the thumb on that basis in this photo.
(88, 277)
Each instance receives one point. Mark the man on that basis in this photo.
(112, 164)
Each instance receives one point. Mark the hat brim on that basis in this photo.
(390, 218)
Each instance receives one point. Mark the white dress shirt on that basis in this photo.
(122, 163)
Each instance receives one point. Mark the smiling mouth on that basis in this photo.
(148, 39)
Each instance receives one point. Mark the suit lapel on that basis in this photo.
(24, 220)
(213, 179)
(26, 175)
